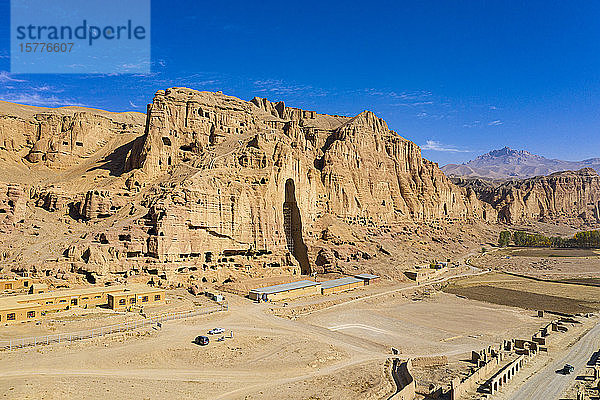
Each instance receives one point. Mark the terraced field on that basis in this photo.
(499, 288)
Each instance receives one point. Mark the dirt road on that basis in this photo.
(549, 385)
(474, 271)
(338, 353)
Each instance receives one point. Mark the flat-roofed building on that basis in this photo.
(19, 312)
(15, 283)
(286, 291)
(425, 274)
(24, 307)
(121, 300)
(367, 278)
(141, 296)
(38, 288)
(341, 284)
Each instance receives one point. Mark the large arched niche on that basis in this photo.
(292, 223)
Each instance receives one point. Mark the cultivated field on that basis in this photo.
(516, 291)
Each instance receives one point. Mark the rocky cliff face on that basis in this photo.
(51, 135)
(13, 202)
(570, 197)
(231, 189)
(239, 163)
(224, 186)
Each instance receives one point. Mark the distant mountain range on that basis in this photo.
(507, 163)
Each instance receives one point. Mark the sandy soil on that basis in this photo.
(415, 327)
(337, 352)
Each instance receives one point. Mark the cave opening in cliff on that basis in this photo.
(292, 222)
(90, 278)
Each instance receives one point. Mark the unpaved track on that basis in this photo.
(547, 384)
(251, 378)
(474, 272)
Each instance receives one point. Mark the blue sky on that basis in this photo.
(457, 78)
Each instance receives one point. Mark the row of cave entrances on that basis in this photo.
(292, 222)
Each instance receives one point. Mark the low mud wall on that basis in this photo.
(460, 387)
(405, 383)
(430, 361)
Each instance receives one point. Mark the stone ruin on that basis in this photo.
(496, 365)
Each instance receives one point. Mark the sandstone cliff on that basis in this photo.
(227, 187)
(48, 135)
(571, 197)
(13, 201)
(239, 163)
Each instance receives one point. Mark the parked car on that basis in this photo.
(568, 369)
(216, 331)
(201, 340)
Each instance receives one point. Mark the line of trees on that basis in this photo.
(585, 239)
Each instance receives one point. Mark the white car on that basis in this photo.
(216, 331)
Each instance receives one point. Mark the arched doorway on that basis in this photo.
(292, 223)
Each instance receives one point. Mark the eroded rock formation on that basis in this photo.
(13, 202)
(571, 197)
(223, 186)
(234, 159)
(48, 135)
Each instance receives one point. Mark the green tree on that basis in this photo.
(520, 238)
(584, 239)
(504, 239)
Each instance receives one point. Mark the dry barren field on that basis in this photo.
(543, 263)
(560, 280)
